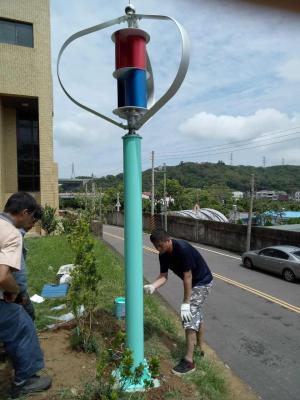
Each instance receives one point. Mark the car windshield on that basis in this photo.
(297, 254)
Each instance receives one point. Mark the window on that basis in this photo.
(13, 32)
(267, 252)
(281, 254)
(297, 254)
(28, 152)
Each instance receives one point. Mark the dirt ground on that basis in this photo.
(70, 370)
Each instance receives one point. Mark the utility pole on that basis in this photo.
(152, 191)
(94, 196)
(248, 241)
(100, 205)
(165, 198)
(231, 158)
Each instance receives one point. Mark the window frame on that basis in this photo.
(17, 24)
(32, 123)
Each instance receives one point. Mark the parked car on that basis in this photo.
(281, 260)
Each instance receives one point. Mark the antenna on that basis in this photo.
(73, 171)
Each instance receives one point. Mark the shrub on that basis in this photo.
(84, 290)
(49, 220)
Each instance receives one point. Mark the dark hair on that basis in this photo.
(20, 201)
(38, 212)
(159, 235)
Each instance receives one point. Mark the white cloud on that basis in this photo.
(239, 57)
(210, 126)
(290, 70)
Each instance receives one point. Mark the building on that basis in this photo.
(266, 194)
(26, 106)
(237, 195)
(297, 196)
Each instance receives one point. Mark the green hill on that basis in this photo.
(199, 175)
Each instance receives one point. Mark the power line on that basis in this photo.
(261, 137)
(226, 151)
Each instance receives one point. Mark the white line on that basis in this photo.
(218, 252)
(203, 248)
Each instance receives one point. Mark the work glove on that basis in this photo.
(185, 312)
(149, 289)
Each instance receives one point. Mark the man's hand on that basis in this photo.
(149, 289)
(185, 312)
(10, 297)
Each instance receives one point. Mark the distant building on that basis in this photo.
(237, 195)
(242, 218)
(72, 185)
(297, 196)
(266, 194)
(279, 217)
(146, 195)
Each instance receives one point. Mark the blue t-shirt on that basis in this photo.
(184, 258)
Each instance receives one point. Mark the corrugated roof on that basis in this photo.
(208, 214)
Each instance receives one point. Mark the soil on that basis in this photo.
(70, 370)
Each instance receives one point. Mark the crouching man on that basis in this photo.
(188, 264)
(17, 330)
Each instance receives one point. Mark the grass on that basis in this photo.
(164, 336)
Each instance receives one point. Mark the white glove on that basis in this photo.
(185, 312)
(149, 289)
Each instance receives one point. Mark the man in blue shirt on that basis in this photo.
(188, 264)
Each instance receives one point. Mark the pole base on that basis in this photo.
(127, 384)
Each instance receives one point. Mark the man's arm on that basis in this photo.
(187, 285)
(160, 281)
(7, 281)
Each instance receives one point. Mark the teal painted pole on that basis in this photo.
(133, 246)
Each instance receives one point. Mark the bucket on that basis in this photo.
(120, 307)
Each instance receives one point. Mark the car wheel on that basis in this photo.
(248, 263)
(288, 275)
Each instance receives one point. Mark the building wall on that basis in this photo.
(26, 71)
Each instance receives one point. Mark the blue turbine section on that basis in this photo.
(132, 88)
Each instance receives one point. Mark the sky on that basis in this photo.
(239, 102)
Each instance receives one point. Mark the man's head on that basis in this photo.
(24, 210)
(161, 241)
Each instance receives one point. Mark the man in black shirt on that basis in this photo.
(188, 264)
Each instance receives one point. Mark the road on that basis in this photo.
(252, 318)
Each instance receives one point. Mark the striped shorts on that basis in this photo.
(198, 298)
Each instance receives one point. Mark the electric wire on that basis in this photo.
(225, 151)
(231, 144)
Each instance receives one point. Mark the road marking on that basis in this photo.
(249, 289)
(197, 247)
(218, 252)
(259, 293)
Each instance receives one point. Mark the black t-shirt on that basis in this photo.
(184, 258)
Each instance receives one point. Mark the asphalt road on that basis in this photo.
(252, 318)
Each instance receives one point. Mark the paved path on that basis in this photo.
(252, 318)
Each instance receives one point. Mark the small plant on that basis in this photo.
(80, 343)
(84, 290)
(49, 220)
